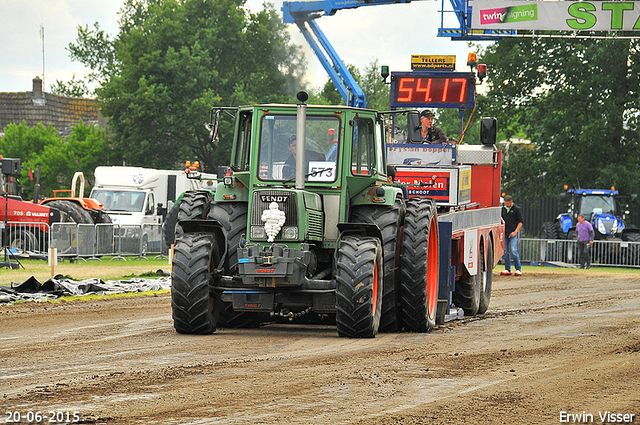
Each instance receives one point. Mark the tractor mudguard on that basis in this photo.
(374, 195)
(361, 229)
(208, 226)
(566, 223)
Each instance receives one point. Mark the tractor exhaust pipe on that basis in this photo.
(301, 137)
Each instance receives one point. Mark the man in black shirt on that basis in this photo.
(431, 133)
(513, 220)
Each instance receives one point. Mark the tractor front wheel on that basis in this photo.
(195, 310)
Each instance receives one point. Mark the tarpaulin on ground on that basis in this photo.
(32, 290)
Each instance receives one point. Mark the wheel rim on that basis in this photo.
(432, 268)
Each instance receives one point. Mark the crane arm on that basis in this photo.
(303, 14)
(295, 11)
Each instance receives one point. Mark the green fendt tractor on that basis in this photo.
(306, 230)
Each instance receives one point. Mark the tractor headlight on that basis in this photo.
(257, 232)
(290, 232)
(614, 226)
(601, 227)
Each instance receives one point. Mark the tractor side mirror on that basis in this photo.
(414, 132)
(634, 198)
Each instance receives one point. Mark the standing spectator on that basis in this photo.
(585, 240)
(512, 216)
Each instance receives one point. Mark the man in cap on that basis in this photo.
(289, 168)
(431, 133)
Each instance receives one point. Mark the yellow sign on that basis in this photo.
(438, 62)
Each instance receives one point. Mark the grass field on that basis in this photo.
(105, 269)
(112, 269)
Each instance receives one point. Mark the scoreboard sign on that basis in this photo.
(432, 89)
(437, 62)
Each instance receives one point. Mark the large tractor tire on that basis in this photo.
(169, 225)
(389, 219)
(549, 231)
(468, 293)
(233, 218)
(486, 277)
(195, 310)
(548, 251)
(23, 240)
(473, 293)
(359, 287)
(419, 268)
(633, 250)
(71, 212)
(194, 205)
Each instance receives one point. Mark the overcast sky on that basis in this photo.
(389, 33)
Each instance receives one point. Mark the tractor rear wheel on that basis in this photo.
(420, 265)
(389, 219)
(549, 231)
(71, 212)
(194, 205)
(169, 225)
(23, 240)
(195, 310)
(359, 287)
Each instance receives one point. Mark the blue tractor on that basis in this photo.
(601, 207)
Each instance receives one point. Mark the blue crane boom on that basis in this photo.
(304, 14)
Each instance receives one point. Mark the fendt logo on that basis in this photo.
(265, 270)
(280, 199)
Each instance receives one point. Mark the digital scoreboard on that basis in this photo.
(436, 89)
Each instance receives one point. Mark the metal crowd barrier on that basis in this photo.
(92, 241)
(25, 237)
(603, 253)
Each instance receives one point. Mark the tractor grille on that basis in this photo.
(286, 202)
(316, 225)
(608, 224)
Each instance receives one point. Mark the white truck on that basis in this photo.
(137, 199)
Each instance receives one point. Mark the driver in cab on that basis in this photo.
(289, 169)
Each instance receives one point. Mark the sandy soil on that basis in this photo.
(550, 346)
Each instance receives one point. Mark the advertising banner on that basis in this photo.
(556, 15)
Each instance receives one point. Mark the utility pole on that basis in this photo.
(42, 37)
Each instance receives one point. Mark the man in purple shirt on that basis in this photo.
(585, 240)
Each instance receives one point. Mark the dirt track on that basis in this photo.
(551, 345)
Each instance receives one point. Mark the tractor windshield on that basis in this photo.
(278, 146)
(598, 205)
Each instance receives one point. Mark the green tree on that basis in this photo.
(174, 60)
(578, 101)
(72, 88)
(376, 92)
(329, 94)
(59, 159)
